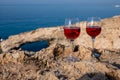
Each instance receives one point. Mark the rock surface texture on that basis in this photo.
(50, 63)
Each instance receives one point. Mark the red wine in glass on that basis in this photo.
(71, 32)
(93, 31)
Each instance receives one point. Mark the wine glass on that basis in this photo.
(71, 32)
(93, 29)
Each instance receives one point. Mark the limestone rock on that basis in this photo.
(51, 64)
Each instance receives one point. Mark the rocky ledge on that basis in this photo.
(49, 63)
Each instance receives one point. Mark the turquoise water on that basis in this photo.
(15, 19)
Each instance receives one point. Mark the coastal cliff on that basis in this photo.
(49, 63)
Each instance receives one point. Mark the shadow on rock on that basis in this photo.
(96, 76)
(58, 50)
(116, 65)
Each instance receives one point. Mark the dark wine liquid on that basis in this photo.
(93, 31)
(71, 32)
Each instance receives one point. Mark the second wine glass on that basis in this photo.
(71, 31)
(93, 28)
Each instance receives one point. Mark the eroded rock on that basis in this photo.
(50, 63)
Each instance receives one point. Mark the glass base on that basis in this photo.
(96, 55)
(71, 59)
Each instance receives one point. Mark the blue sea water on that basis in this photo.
(15, 19)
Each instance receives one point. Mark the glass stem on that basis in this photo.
(72, 43)
(71, 56)
(93, 39)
